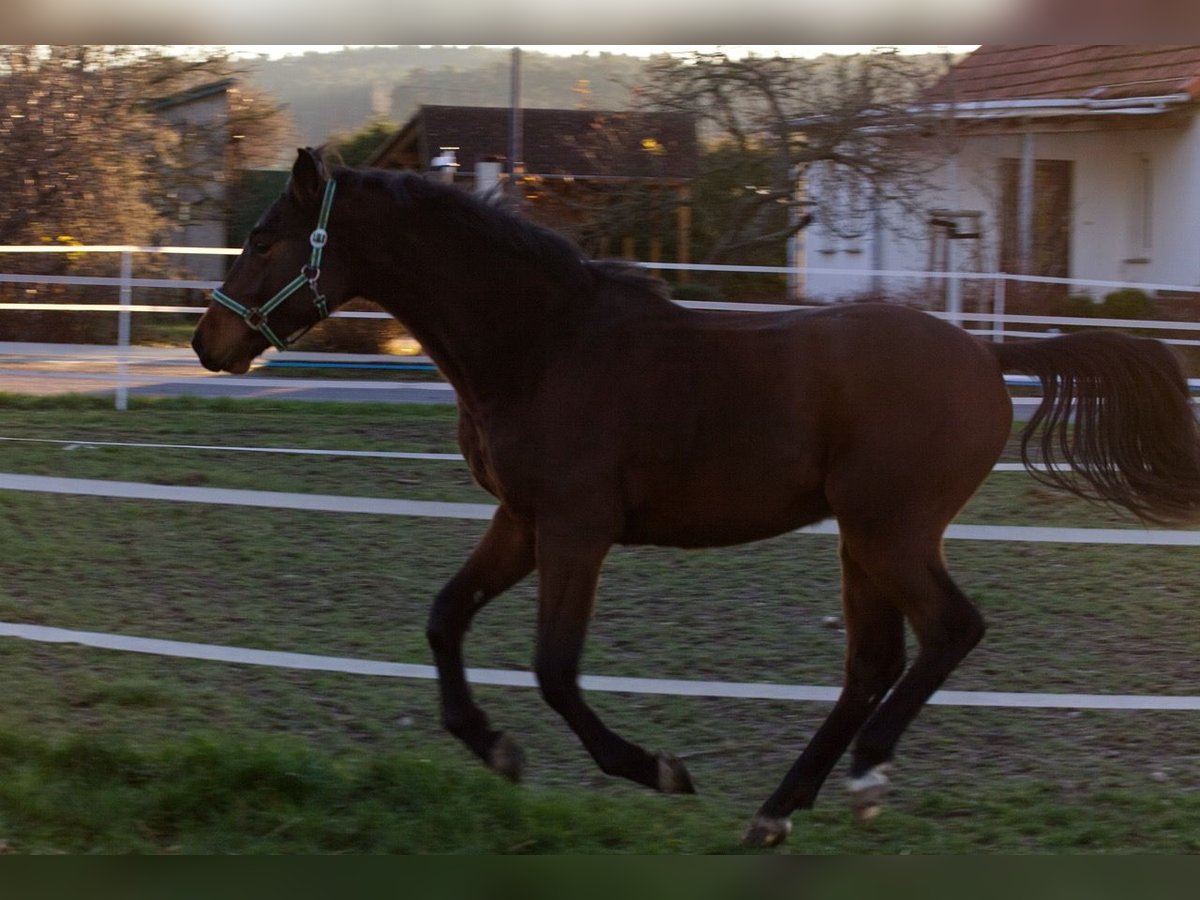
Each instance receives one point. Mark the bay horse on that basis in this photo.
(598, 412)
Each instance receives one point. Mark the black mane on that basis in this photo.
(626, 274)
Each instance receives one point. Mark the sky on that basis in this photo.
(276, 51)
(547, 21)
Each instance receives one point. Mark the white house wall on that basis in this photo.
(1104, 207)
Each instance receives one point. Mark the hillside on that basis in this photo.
(337, 93)
(332, 93)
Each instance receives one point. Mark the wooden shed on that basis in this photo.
(573, 168)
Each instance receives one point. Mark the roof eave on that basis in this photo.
(1053, 107)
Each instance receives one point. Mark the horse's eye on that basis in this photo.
(260, 243)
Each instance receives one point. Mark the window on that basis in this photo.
(1141, 210)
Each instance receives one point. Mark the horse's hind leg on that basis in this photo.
(947, 626)
(874, 660)
(503, 557)
(568, 574)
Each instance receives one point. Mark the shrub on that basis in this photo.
(1077, 306)
(1127, 303)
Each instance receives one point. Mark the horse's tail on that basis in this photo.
(1116, 423)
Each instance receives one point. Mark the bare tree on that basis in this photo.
(634, 193)
(86, 159)
(771, 125)
(77, 149)
(83, 153)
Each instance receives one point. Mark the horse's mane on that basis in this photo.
(618, 271)
(477, 218)
(493, 218)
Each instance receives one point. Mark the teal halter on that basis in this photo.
(256, 316)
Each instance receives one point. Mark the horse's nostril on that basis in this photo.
(202, 354)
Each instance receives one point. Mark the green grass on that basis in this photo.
(213, 795)
(1063, 618)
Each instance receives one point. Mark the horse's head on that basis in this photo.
(285, 281)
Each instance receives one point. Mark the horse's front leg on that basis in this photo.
(568, 572)
(503, 557)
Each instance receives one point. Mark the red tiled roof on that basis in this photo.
(1049, 71)
(555, 141)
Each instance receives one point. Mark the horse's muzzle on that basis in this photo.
(205, 359)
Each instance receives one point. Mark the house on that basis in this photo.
(572, 166)
(200, 116)
(1064, 161)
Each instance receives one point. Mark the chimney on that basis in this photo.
(487, 174)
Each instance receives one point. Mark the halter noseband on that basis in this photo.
(256, 316)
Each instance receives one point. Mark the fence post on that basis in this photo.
(998, 308)
(123, 329)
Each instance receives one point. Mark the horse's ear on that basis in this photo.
(308, 177)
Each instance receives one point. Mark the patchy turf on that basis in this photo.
(1085, 619)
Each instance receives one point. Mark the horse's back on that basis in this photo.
(845, 368)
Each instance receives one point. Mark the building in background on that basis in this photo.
(201, 117)
(1068, 161)
(618, 182)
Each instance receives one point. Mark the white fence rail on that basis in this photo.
(671, 687)
(999, 323)
(126, 283)
(438, 509)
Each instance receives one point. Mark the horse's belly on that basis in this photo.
(700, 518)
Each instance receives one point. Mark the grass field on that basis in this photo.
(109, 752)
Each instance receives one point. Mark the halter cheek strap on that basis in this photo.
(255, 317)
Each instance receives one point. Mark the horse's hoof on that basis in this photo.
(673, 777)
(867, 792)
(506, 757)
(765, 831)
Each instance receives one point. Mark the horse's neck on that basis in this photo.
(486, 329)
(484, 307)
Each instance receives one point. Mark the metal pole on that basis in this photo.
(515, 124)
(793, 254)
(1025, 206)
(877, 242)
(123, 329)
(795, 282)
(954, 288)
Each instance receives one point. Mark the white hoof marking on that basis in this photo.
(867, 792)
(873, 779)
